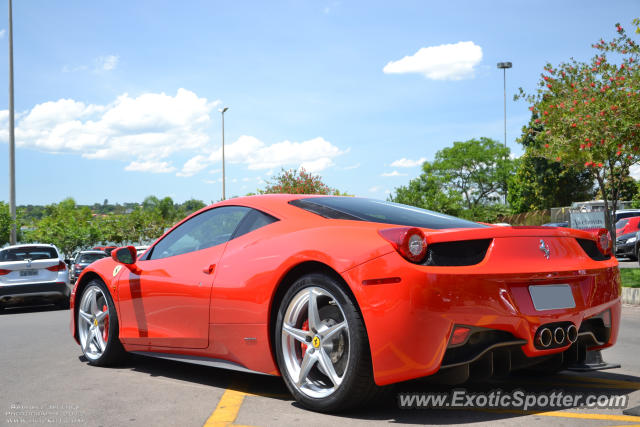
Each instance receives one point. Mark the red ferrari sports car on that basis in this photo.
(343, 295)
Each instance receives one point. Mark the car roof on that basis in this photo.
(92, 252)
(30, 245)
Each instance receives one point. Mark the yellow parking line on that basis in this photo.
(227, 410)
(562, 414)
(623, 383)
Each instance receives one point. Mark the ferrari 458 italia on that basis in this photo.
(342, 296)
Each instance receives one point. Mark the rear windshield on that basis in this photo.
(620, 224)
(28, 252)
(89, 258)
(378, 211)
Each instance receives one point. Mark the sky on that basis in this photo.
(120, 100)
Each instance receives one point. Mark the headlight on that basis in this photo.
(631, 240)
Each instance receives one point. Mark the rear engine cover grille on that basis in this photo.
(464, 252)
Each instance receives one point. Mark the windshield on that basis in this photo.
(89, 258)
(620, 224)
(28, 252)
(371, 210)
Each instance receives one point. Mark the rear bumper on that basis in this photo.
(625, 250)
(409, 323)
(14, 294)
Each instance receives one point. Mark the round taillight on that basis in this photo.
(603, 241)
(410, 242)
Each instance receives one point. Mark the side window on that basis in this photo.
(210, 228)
(254, 220)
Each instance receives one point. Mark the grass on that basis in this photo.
(630, 277)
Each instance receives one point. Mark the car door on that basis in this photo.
(167, 303)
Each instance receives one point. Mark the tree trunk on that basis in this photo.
(607, 215)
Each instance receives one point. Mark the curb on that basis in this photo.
(631, 296)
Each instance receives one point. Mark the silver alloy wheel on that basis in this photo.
(315, 342)
(93, 322)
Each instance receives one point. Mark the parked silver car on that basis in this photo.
(30, 273)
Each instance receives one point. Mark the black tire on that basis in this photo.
(113, 353)
(357, 387)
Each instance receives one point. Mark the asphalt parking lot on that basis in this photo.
(45, 380)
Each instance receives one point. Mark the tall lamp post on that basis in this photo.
(12, 141)
(504, 66)
(222, 111)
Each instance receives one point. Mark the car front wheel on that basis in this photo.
(322, 346)
(97, 322)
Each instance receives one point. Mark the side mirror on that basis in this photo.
(126, 255)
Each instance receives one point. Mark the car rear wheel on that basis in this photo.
(322, 346)
(97, 322)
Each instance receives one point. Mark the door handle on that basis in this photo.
(210, 269)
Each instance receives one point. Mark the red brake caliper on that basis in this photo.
(105, 332)
(305, 327)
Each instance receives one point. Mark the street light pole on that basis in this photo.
(504, 66)
(222, 111)
(12, 141)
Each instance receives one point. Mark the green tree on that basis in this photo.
(5, 223)
(150, 203)
(539, 183)
(591, 114)
(190, 206)
(468, 179)
(478, 169)
(166, 209)
(294, 181)
(428, 191)
(65, 225)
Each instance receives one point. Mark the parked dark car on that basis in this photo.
(627, 246)
(82, 260)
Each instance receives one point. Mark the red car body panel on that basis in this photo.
(631, 226)
(174, 305)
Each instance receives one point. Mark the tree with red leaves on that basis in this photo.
(591, 114)
(297, 181)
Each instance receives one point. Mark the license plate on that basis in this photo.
(551, 297)
(26, 273)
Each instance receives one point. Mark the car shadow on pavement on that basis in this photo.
(264, 385)
(387, 409)
(31, 309)
(598, 383)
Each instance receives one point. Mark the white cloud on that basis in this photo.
(150, 166)
(2, 33)
(356, 166)
(634, 171)
(394, 173)
(443, 62)
(374, 189)
(317, 165)
(408, 163)
(150, 130)
(144, 129)
(107, 63)
(193, 166)
(314, 155)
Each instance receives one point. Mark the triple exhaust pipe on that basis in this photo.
(558, 335)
